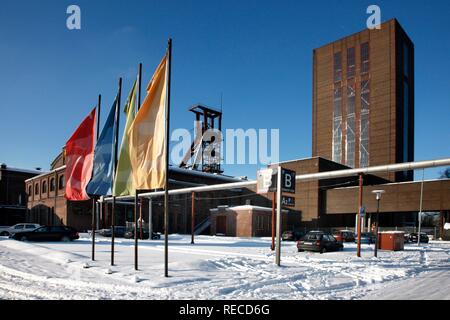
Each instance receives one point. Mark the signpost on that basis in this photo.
(362, 212)
(288, 201)
(266, 181)
(278, 246)
(285, 183)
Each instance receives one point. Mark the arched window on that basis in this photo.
(44, 186)
(30, 191)
(61, 182)
(36, 189)
(52, 184)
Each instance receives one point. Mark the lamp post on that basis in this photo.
(378, 194)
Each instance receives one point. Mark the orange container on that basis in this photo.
(391, 240)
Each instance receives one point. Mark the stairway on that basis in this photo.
(202, 226)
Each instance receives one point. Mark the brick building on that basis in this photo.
(363, 99)
(48, 206)
(13, 196)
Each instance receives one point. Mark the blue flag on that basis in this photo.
(102, 176)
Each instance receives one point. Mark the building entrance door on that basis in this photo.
(221, 224)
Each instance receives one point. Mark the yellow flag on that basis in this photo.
(146, 135)
(123, 181)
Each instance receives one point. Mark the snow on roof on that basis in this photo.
(397, 183)
(22, 170)
(293, 160)
(392, 231)
(248, 207)
(46, 173)
(205, 174)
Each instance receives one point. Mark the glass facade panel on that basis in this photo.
(350, 141)
(365, 57)
(364, 127)
(350, 62)
(337, 126)
(337, 66)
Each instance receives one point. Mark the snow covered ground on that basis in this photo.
(219, 268)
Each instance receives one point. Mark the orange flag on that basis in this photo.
(147, 136)
(79, 159)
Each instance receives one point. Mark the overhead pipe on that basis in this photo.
(303, 177)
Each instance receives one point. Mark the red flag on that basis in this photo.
(79, 159)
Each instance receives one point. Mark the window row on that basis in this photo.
(43, 185)
(351, 62)
(345, 127)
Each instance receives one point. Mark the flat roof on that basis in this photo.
(205, 174)
(171, 169)
(246, 207)
(356, 33)
(396, 183)
(46, 173)
(7, 168)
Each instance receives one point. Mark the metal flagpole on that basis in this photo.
(278, 247)
(135, 230)
(141, 232)
(358, 251)
(166, 189)
(136, 109)
(375, 253)
(150, 218)
(273, 221)
(139, 87)
(94, 222)
(193, 218)
(116, 139)
(420, 211)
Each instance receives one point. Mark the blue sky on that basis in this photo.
(258, 54)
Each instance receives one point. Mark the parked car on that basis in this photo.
(7, 231)
(119, 232)
(423, 237)
(145, 234)
(406, 237)
(47, 233)
(344, 235)
(292, 235)
(366, 238)
(319, 241)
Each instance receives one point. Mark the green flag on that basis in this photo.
(123, 182)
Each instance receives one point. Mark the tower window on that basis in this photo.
(365, 57)
(337, 126)
(350, 62)
(337, 66)
(350, 132)
(364, 127)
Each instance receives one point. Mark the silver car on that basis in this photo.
(20, 227)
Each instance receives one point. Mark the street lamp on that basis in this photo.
(378, 194)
